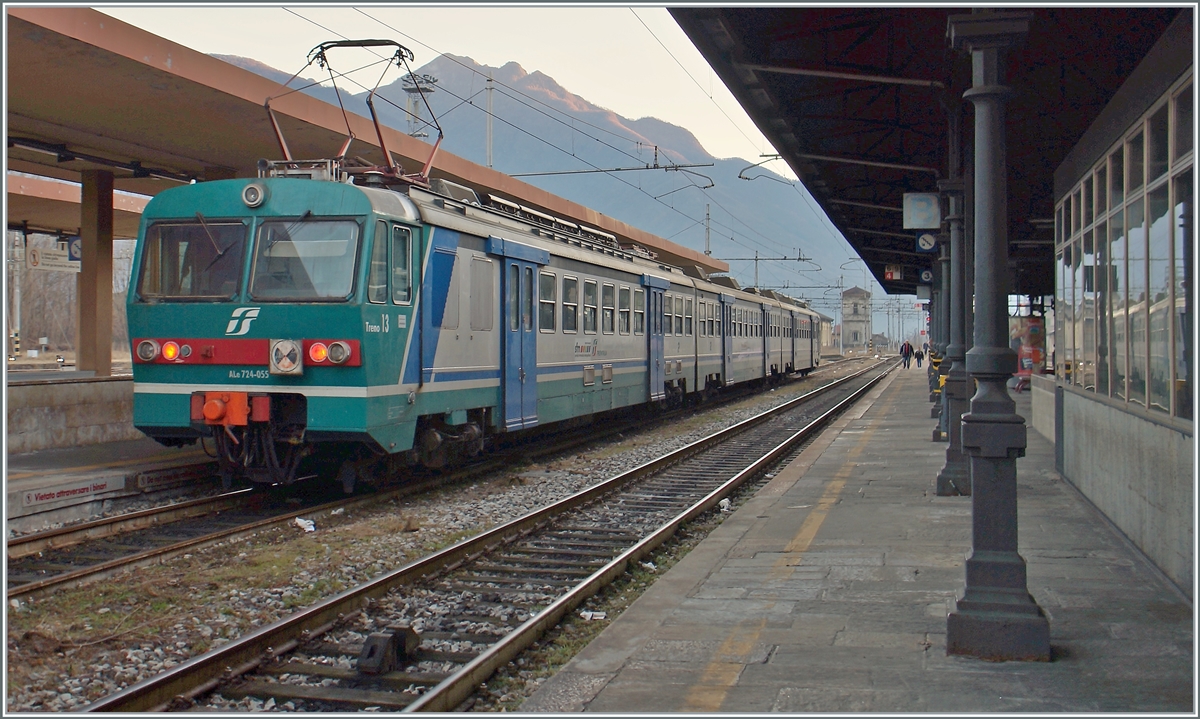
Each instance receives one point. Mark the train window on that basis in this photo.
(401, 265)
(639, 312)
(623, 310)
(305, 260)
(679, 315)
(687, 317)
(527, 300)
(668, 303)
(514, 297)
(712, 320)
(482, 287)
(547, 285)
(608, 302)
(589, 307)
(377, 289)
(190, 260)
(570, 306)
(451, 312)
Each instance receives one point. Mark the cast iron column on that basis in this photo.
(955, 477)
(996, 618)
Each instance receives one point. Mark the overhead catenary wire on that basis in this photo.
(748, 244)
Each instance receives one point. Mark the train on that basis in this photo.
(325, 319)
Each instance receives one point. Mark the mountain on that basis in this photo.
(540, 127)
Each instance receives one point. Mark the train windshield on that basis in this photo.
(305, 260)
(192, 261)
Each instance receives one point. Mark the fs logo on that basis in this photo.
(246, 315)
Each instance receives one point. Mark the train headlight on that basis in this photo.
(254, 194)
(286, 357)
(317, 352)
(147, 350)
(170, 351)
(339, 352)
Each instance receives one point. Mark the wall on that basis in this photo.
(1140, 473)
(46, 414)
(1041, 394)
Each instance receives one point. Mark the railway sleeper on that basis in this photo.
(357, 698)
(395, 679)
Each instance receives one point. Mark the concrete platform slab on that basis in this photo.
(865, 588)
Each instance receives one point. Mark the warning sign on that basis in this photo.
(37, 258)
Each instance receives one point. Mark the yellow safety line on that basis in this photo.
(107, 465)
(721, 674)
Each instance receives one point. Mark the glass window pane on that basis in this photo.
(679, 315)
(1058, 226)
(1087, 312)
(527, 300)
(1087, 202)
(639, 311)
(1136, 216)
(1102, 272)
(547, 284)
(1136, 162)
(608, 310)
(310, 260)
(1184, 293)
(1075, 301)
(1183, 122)
(1101, 190)
(570, 308)
(1061, 260)
(1158, 260)
(1075, 207)
(1156, 155)
(401, 262)
(514, 298)
(623, 320)
(377, 290)
(590, 299)
(1118, 329)
(1116, 178)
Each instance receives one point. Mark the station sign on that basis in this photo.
(927, 276)
(926, 242)
(37, 258)
(922, 211)
(893, 272)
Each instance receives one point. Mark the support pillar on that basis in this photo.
(955, 477)
(996, 618)
(94, 351)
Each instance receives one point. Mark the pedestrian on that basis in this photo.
(920, 356)
(906, 353)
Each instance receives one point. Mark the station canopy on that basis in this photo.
(858, 101)
(89, 92)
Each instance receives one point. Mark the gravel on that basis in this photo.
(46, 673)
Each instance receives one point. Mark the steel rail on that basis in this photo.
(452, 691)
(27, 545)
(184, 682)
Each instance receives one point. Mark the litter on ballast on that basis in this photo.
(306, 524)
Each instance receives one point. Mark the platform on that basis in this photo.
(828, 592)
(53, 486)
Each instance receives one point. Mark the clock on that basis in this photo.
(926, 241)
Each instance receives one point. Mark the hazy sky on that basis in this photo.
(635, 62)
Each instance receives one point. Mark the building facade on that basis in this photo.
(856, 320)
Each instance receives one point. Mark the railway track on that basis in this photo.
(70, 556)
(423, 637)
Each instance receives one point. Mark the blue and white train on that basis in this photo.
(317, 318)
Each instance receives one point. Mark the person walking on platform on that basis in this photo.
(906, 353)
(920, 356)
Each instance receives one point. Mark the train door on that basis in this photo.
(518, 351)
(656, 355)
(520, 345)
